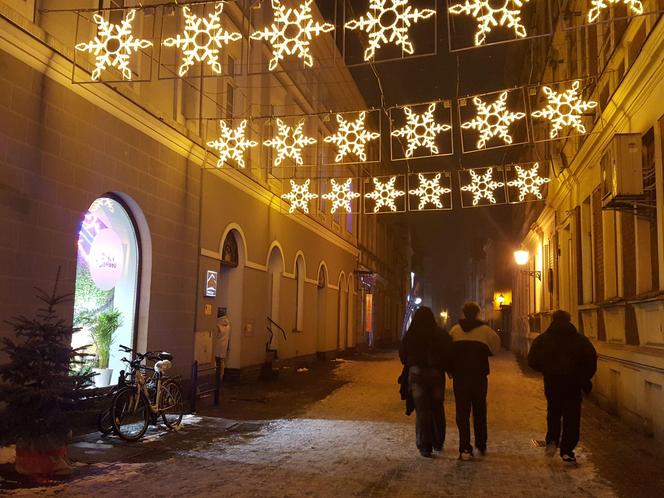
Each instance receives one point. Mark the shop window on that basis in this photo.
(107, 268)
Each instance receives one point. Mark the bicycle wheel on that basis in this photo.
(105, 421)
(171, 404)
(130, 414)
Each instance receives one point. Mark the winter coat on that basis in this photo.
(473, 343)
(429, 351)
(405, 392)
(564, 356)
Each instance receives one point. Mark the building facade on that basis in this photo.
(597, 243)
(185, 241)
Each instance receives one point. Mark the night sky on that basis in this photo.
(447, 237)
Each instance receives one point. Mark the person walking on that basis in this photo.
(221, 341)
(568, 361)
(473, 343)
(425, 350)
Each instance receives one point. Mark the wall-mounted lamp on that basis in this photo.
(521, 258)
(500, 299)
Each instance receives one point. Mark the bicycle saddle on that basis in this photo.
(165, 356)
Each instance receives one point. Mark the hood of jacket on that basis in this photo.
(468, 324)
(562, 328)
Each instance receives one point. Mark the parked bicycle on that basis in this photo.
(105, 417)
(143, 400)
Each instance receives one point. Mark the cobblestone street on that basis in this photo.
(357, 441)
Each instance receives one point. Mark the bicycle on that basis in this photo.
(143, 400)
(105, 417)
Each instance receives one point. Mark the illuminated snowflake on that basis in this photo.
(482, 186)
(634, 6)
(384, 194)
(299, 196)
(528, 181)
(564, 109)
(289, 142)
(231, 143)
(291, 32)
(421, 130)
(351, 138)
(341, 195)
(489, 14)
(202, 39)
(430, 191)
(113, 45)
(492, 120)
(388, 24)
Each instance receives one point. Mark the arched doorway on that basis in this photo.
(321, 308)
(106, 295)
(230, 295)
(275, 267)
(342, 308)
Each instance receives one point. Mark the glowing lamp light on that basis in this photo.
(106, 259)
(521, 257)
(500, 299)
(418, 301)
(444, 315)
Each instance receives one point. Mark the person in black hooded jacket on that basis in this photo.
(425, 350)
(568, 361)
(473, 343)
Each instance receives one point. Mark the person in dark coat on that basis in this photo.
(425, 349)
(568, 361)
(473, 343)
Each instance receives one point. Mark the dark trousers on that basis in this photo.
(427, 386)
(563, 404)
(470, 395)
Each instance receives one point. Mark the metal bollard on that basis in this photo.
(217, 379)
(194, 386)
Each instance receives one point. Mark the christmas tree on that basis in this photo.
(41, 386)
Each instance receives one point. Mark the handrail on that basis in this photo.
(272, 322)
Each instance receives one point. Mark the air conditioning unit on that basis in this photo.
(622, 176)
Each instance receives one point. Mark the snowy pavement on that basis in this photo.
(354, 442)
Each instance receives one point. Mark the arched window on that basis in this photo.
(229, 254)
(107, 269)
(299, 293)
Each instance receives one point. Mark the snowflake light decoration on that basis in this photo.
(202, 39)
(291, 32)
(421, 130)
(430, 191)
(492, 120)
(384, 194)
(289, 142)
(341, 195)
(113, 45)
(482, 186)
(351, 138)
(388, 24)
(232, 143)
(489, 15)
(528, 181)
(635, 7)
(564, 109)
(299, 196)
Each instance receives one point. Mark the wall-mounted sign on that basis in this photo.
(211, 284)
(106, 259)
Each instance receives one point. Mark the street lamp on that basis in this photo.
(500, 300)
(418, 301)
(443, 314)
(521, 258)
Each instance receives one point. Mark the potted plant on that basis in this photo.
(102, 332)
(41, 389)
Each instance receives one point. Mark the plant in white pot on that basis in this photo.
(41, 389)
(102, 331)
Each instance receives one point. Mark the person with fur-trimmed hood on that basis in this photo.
(568, 361)
(473, 343)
